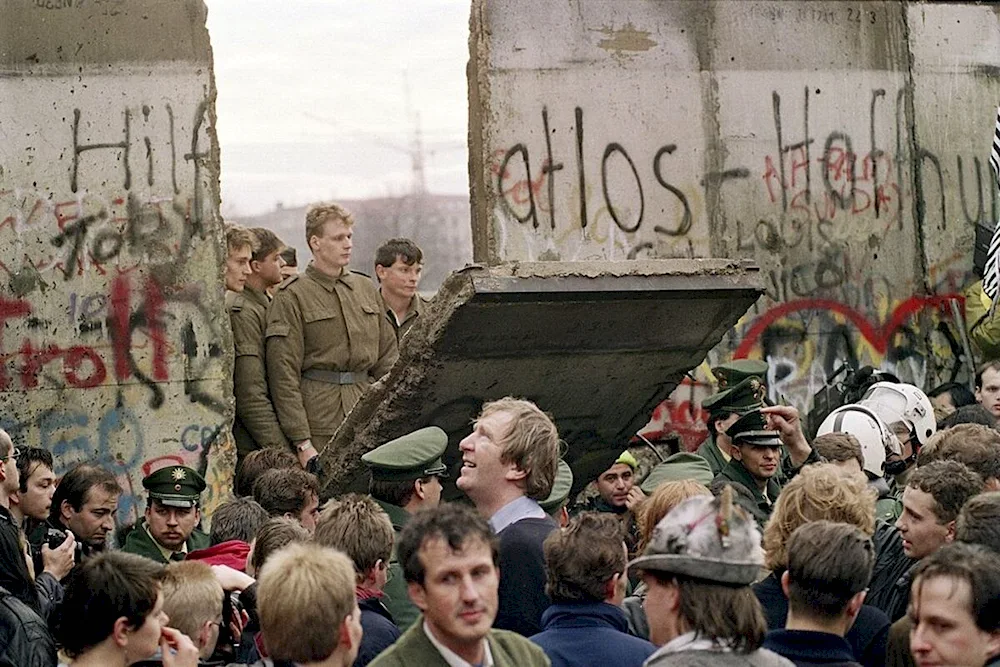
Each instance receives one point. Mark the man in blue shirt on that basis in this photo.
(585, 568)
(508, 465)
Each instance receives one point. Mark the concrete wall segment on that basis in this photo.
(842, 146)
(115, 345)
(48, 32)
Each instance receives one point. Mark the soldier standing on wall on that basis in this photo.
(255, 425)
(327, 337)
(398, 264)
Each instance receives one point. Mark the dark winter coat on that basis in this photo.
(590, 633)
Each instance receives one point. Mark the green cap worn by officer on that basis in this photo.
(736, 371)
(405, 477)
(168, 531)
(724, 408)
(555, 504)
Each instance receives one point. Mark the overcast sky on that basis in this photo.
(312, 101)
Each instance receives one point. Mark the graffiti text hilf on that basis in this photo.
(91, 229)
(84, 366)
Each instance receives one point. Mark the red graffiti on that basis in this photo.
(681, 415)
(877, 336)
(83, 367)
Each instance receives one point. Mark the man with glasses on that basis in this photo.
(405, 478)
(14, 575)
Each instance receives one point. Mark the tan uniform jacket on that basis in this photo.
(417, 307)
(328, 324)
(256, 424)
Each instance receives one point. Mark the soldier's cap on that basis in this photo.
(680, 466)
(751, 429)
(627, 458)
(560, 488)
(175, 486)
(739, 399)
(733, 372)
(409, 457)
(706, 538)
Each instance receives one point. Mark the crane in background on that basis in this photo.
(415, 150)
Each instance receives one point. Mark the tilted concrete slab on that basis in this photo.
(596, 344)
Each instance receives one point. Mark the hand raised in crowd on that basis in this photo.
(177, 649)
(635, 498)
(59, 561)
(786, 421)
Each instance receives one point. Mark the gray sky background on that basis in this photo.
(312, 104)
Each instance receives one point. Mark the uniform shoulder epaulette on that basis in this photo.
(361, 273)
(288, 281)
(234, 301)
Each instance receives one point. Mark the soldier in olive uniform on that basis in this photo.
(168, 531)
(760, 463)
(256, 424)
(327, 337)
(405, 477)
(398, 265)
(728, 405)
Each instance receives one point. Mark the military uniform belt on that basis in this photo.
(335, 377)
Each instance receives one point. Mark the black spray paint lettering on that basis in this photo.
(550, 167)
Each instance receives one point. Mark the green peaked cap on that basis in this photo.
(746, 396)
(733, 372)
(175, 486)
(560, 489)
(751, 429)
(412, 456)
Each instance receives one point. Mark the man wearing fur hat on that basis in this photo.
(702, 559)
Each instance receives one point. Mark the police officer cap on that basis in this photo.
(175, 486)
(706, 538)
(751, 429)
(742, 398)
(733, 372)
(680, 466)
(409, 457)
(560, 488)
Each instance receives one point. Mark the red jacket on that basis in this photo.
(232, 553)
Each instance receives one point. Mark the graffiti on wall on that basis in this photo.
(112, 329)
(863, 235)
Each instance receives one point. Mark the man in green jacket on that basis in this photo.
(769, 448)
(168, 531)
(405, 477)
(450, 558)
(741, 389)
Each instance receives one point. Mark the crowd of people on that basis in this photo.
(875, 541)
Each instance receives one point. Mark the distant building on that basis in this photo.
(439, 224)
